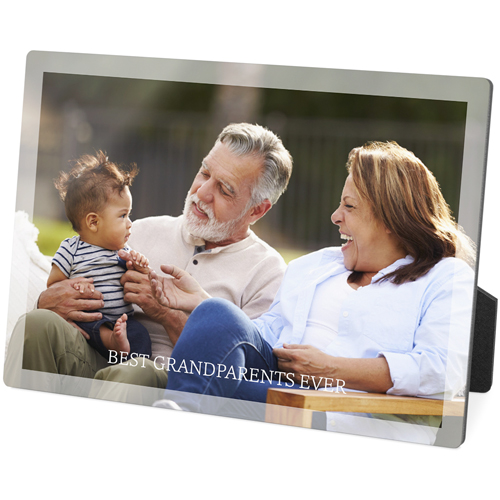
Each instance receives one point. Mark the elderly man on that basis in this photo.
(238, 182)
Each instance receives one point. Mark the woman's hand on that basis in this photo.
(309, 365)
(312, 367)
(178, 290)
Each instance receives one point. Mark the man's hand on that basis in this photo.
(179, 290)
(84, 287)
(137, 290)
(72, 299)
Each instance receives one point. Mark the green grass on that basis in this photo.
(52, 232)
(289, 254)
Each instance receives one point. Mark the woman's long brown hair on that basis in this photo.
(405, 196)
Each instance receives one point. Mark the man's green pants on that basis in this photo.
(44, 342)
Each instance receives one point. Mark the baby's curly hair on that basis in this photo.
(87, 186)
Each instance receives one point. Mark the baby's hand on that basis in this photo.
(138, 260)
(135, 261)
(84, 286)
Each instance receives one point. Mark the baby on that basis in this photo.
(98, 203)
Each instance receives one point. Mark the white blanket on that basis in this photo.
(29, 271)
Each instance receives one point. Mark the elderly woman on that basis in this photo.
(388, 312)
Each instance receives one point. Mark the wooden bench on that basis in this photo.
(296, 407)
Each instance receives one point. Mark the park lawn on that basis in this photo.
(51, 233)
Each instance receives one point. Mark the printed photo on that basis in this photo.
(294, 246)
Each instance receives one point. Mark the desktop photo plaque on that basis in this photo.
(432, 334)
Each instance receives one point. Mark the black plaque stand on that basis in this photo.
(483, 342)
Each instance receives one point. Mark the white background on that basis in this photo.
(75, 448)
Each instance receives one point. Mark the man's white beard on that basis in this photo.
(209, 230)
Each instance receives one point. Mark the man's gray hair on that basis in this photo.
(246, 139)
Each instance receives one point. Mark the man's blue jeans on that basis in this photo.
(221, 353)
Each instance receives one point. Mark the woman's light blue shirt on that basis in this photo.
(422, 328)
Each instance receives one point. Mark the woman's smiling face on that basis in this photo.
(370, 246)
